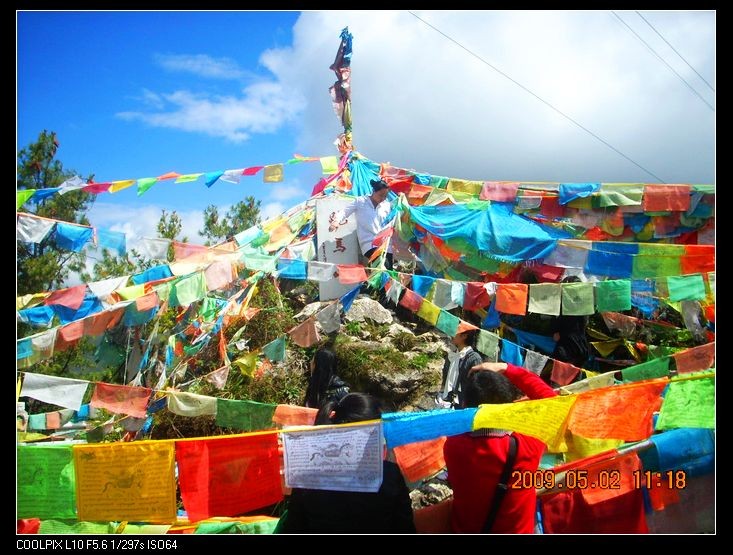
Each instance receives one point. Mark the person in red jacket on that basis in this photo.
(475, 460)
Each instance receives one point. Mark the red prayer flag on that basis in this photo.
(123, 399)
(169, 175)
(563, 373)
(617, 412)
(351, 273)
(230, 476)
(697, 358)
(96, 187)
(71, 297)
(253, 170)
(292, 415)
(659, 198)
(421, 459)
(475, 296)
(411, 300)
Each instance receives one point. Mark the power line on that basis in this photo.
(545, 102)
(675, 50)
(664, 62)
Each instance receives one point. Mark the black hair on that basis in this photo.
(354, 407)
(323, 373)
(471, 337)
(570, 279)
(486, 387)
(378, 184)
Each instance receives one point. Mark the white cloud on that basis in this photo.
(142, 221)
(202, 66)
(264, 107)
(291, 191)
(271, 209)
(422, 102)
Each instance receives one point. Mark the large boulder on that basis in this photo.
(365, 308)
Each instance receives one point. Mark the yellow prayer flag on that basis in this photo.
(429, 312)
(187, 178)
(126, 481)
(119, 185)
(273, 173)
(581, 447)
(30, 300)
(545, 419)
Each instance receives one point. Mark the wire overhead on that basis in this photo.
(664, 62)
(545, 102)
(675, 50)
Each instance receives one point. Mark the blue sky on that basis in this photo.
(138, 94)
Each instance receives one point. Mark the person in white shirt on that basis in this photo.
(371, 214)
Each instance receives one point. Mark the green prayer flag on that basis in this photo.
(447, 323)
(375, 281)
(613, 295)
(187, 178)
(144, 184)
(209, 307)
(46, 482)
(74, 527)
(330, 164)
(686, 288)
(655, 266)
(275, 350)
(660, 249)
(577, 299)
(624, 195)
(22, 196)
(261, 262)
(688, 404)
(248, 416)
(143, 528)
(655, 368)
(188, 290)
(259, 527)
(488, 344)
(544, 298)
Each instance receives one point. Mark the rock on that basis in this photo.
(429, 493)
(366, 308)
(308, 311)
(396, 328)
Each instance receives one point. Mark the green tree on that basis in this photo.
(239, 217)
(42, 267)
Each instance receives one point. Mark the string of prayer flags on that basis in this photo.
(228, 476)
(401, 428)
(247, 416)
(511, 298)
(688, 404)
(544, 419)
(124, 399)
(696, 358)
(577, 299)
(126, 481)
(620, 412)
(55, 390)
(46, 482)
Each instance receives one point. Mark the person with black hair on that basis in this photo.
(457, 365)
(324, 385)
(371, 215)
(389, 510)
(569, 332)
(479, 461)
